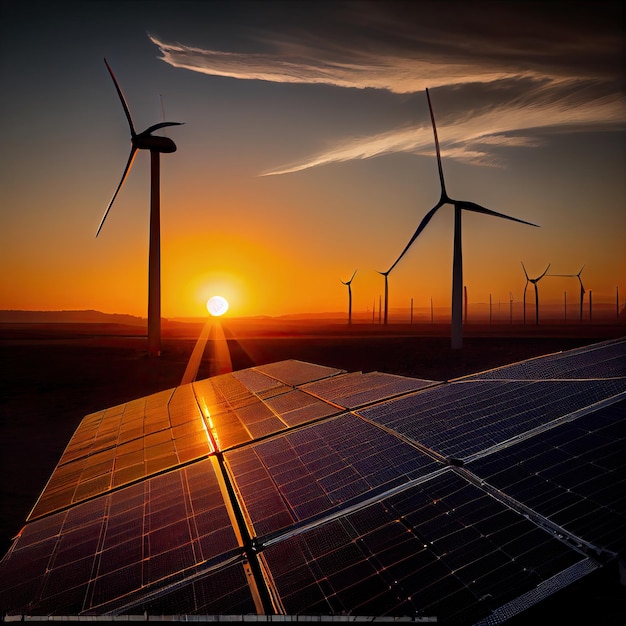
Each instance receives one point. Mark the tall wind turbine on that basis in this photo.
(582, 289)
(349, 284)
(156, 145)
(457, 264)
(534, 281)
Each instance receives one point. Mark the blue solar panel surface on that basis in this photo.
(298, 489)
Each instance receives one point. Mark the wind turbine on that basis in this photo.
(349, 284)
(457, 264)
(156, 145)
(534, 281)
(386, 275)
(582, 289)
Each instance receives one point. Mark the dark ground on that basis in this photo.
(52, 375)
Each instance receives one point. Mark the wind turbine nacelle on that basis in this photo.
(154, 143)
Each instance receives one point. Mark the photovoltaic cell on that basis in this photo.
(344, 514)
(297, 407)
(101, 554)
(173, 433)
(303, 474)
(223, 591)
(602, 360)
(573, 474)
(432, 550)
(464, 418)
(257, 382)
(295, 373)
(357, 389)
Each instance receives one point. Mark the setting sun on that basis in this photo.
(217, 305)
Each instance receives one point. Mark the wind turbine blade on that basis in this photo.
(349, 281)
(416, 234)
(477, 208)
(432, 119)
(121, 95)
(129, 164)
(161, 125)
(525, 272)
(544, 273)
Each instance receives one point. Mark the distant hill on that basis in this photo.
(82, 317)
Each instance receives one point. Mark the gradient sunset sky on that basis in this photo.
(307, 151)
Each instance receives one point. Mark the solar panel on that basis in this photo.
(357, 389)
(573, 474)
(102, 554)
(602, 360)
(441, 548)
(119, 446)
(295, 373)
(260, 383)
(297, 407)
(463, 418)
(297, 489)
(303, 474)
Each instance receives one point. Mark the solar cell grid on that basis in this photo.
(296, 407)
(256, 381)
(443, 547)
(296, 373)
(120, 543)
(446, 567)
(222, 591)
(311, 470)
(603, 360)
(355, 389)
(489, 413)
(575, 475)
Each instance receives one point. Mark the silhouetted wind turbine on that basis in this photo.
(534, 281)
(582, 289)
(386, 275)
(349, 284)
(457, 265)
(147, 141)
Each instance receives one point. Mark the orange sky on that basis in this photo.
(343, 129)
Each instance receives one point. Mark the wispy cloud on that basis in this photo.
(391, 73)
(567, 75)
(469, 140)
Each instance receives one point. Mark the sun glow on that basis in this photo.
(217, 305)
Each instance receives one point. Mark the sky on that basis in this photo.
(307, 152)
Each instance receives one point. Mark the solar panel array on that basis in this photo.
(298, 489)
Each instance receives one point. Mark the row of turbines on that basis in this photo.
(529, 280)
(157, 145)
(457, 259)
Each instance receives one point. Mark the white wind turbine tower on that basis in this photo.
(457, 264)
(349, 284)
(156, 145)
(534, 281)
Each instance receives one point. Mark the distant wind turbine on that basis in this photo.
(582, 289)
(457, 265)
(386, 314)
(156, 145)
(349, 284)
(534, 281)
